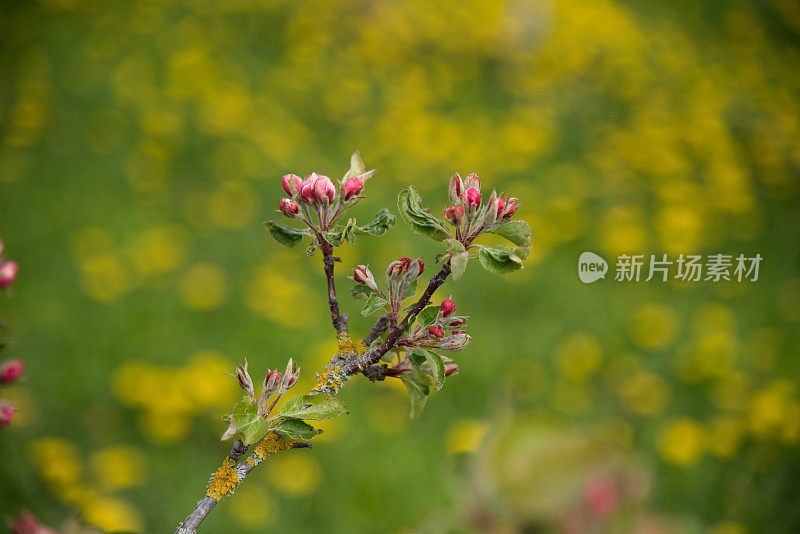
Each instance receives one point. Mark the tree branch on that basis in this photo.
(339, 320)
(374, 355)
(243, 468)
(378, 328)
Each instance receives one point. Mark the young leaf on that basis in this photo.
(454, 245)
(427, 316)
(317, 407)
(338, 235)
(458, 264)
(417, 219)
(418, 394)
(286, 235)
(248, 423)
(374, 302)
(519, 233)
(361, 291)
(357, 166)
(499, 260)
(379, 225)
(296, 429)
(436, 364)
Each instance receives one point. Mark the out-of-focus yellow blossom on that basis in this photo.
(725, 434)
(682, 441)
(112, 515)
(644, 393)
(295, 474)
(232, 205)
(57, 462)
(253, 506)
(104, 277)
(147, 167)
(279, 298)
(159, 250)
(655, 326)
(728, 527)
(578, 356)
(116, 467)
(203, 286)
(622, 231)
(774, 410)
(466, 436)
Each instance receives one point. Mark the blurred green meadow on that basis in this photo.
(141, 148)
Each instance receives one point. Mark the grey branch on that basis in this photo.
(339, 320)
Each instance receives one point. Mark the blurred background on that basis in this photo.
(141, 148)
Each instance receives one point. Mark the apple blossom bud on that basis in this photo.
(435, 331)
(397, 268)
(272, 380)
(363, 275)
(307, 191)
(450, 369)
(510, 208)
(8, 272)
(494, 209)
(456, 188)
(472, 198)
(352, 187)
(601, 497)
(292, 380)
(324, 190)
(10, 370)
(291, 184)
(447, 307)
(473, 180)
(289, 208)
(245, 382)
(7, 412)
(416, 269)
(454, 214)
(28, 524)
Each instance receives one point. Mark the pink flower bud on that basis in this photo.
(28, 524)
(289, 207)
(456, 188)
(243, 377)
(8, 272)
(447, 307)
(291, 184)
(272, 380)
(435, 331)
(7, 412)
(363, 275)
(473, 180)
(601, 497)
(324, 190)
(451, 369)
(292, 379)
(352, 187)
(10, 370)
(473, 198)
(307, 191)
(510, 208)
(397, 268)
(494, 209)
(454, 214)
(417, 267)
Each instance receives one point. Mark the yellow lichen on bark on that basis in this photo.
(347, 345)
(224, 481)
(330, 380)
(271, 444)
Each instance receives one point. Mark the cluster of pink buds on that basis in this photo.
(8, 270)
(7, 411)
(317, 193)
(468, 214)
(446, 332)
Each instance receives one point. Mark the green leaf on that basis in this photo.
(454, 245)
(317, 407)
(374, 302)
(417, 219)
(296, 429)
(418, 394)
(436, 365)
(458, 264)
(379, 225)
(500, 259)
(427, 316)
(311, 250)
(248, 423)
(519, 233)
(337, 236)
(357, 166)
(286, 235)
(360, 291)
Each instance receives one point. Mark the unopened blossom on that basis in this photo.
(352, 187)
(10, 370)
(291, 184)
(289, 208)
(454, 214)
(8, 273)
(447, 307)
